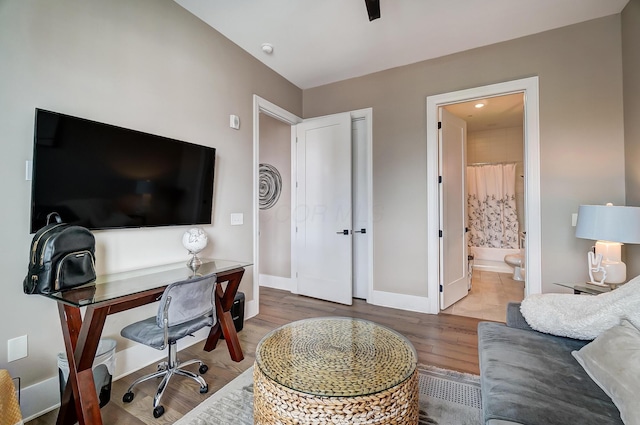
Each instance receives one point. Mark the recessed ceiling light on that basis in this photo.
(479, 105)
(267, 48)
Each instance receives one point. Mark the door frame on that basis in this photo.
(367, 115)
(533, 227)
(261, 105)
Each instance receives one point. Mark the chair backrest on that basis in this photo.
(187, 300)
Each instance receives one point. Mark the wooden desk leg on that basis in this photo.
(71, 321)
(225, 325)
(81, 343)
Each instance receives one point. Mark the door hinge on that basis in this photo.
(439, 125)
(441, 289)
(439, 179)
(440, 233)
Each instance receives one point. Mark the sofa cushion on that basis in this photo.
(515, 319)
(531, 378)
(613, 361)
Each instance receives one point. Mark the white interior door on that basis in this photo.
(454, 276)
(323, 211)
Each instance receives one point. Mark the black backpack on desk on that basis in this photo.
(62, 256)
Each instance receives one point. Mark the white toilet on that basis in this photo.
(516, 261)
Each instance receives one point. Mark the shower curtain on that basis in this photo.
(491, 206)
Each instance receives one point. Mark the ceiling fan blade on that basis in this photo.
(373, 9)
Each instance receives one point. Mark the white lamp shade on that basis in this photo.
(609, 223)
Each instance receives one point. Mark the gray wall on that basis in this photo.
(148, 65)
(275, 222)
(581, 140)
(151, 66)
(631, 72)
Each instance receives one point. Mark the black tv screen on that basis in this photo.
(101, 176)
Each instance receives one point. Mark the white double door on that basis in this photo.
(330, 209)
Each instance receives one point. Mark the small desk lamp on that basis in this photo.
(611, 226)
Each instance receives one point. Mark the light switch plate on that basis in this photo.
(574, 219)
(237, 219)
(28, 170)
(234, 122)
(17, 348)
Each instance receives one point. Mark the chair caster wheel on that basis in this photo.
(158, 411)
(204, 389)
(128, 397)
(203, 369)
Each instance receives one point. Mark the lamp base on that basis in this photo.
(194, 263)
(616, 272)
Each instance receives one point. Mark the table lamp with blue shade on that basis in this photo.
(610, 226)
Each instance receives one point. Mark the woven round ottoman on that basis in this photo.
(335, 370)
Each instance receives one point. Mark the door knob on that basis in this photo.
(343, 232)
(360, 231)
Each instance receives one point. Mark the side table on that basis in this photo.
(585, 288)
(335, 370)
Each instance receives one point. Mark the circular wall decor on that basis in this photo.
(270, 186)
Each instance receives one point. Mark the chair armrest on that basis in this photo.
(515, 318)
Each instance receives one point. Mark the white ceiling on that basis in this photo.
(318, 42)
(496, 112)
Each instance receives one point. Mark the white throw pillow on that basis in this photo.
(612, 360)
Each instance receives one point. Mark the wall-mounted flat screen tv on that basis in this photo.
(102, 177)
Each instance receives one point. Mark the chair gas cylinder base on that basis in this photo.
(185, 307)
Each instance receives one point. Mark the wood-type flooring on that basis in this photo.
(442, 340)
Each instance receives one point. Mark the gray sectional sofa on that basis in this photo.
(531, 378)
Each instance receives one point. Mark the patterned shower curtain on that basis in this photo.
(491, 205)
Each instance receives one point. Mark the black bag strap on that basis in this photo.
(54, 215)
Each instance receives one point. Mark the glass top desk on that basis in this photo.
(116, 292)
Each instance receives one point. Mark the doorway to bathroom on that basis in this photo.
(492, 184)
(487, 189)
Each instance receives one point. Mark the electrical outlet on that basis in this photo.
(17, 348)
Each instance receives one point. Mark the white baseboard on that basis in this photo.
(43, 397)
(40, 398)
(250, 309)
(277, 282)
(401, 301)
